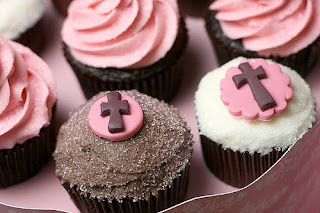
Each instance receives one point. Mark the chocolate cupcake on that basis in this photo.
(27, 94)
(284, 31)
(126, 46)
(62, 6)
(250, 111)
(124, 152)
(21, 21)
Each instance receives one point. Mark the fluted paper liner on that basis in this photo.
(34, 37)
(236, 168)
(25, 160)
(166, 198)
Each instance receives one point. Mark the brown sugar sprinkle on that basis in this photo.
(143, 164)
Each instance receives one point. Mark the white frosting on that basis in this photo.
(217, 124)
(17, 16)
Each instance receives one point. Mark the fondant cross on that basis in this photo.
(252, 77)
(115, 108)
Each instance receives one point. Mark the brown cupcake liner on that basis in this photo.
(165, 199)
(62, 6)
(160, 80)
(235, 168)
(227, 49)
(25, 160)
(33, 38)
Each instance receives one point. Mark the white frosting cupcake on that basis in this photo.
(216, 123)
(18, 16)
(240, 139)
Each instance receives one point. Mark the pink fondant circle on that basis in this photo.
(241, 101)
(132, 122)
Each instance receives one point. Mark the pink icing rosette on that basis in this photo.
(241, 102)
(27, 94)
(273, 27)
(120, 33)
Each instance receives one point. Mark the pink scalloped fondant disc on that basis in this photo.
(132, 122)
(241, 102)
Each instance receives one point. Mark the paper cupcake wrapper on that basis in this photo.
(227, 49)
(165, 199)
(160, 80)
(33, 38)
(62, 6)
(236, 168)
(25, 160)
(162, 85)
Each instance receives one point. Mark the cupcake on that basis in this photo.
(27, 94)
(121, 45)
(21, 21)
(250, 111)
(284, 31)
(124, 151)
(62, 6)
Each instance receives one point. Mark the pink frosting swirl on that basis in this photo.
(270, 27)
(120, 33)
(27, 94)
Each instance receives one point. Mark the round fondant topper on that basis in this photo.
(256, 90)
(115, 117)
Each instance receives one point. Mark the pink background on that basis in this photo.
(44, 191)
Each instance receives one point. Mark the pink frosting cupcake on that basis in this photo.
(27, 94)
(136, 44)
(285, 31)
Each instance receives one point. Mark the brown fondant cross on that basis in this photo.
(115, 108)
(253, 77)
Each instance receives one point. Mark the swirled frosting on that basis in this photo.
(18, 16)
(270, 27)
(27, 94)
(120, 33)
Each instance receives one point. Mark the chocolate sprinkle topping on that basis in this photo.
(105, 170)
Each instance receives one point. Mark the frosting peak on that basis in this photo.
(120, 33)
(275, 27)
(27, 94)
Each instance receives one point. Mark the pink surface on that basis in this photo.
(135, 33)
(44, 190)
(27, 94)
(267, 26)
(132, 122)
(241, 101)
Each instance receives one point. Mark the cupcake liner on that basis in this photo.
(62, 6)
(25, 160)
(33, 38)
(236, 168)
(160, 80)
(165, 199)
(227, 49)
